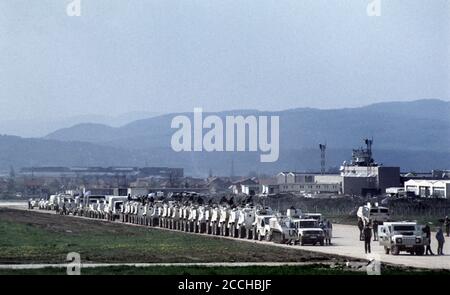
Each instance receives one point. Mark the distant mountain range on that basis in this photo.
(39, 127)
(414, 135)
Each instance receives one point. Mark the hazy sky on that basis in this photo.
(174, 55)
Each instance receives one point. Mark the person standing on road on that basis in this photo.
(375, 230)
(330, 231)
(447, 225)
(427, 231)
(367, 238)
(361, 228)
(441, 240)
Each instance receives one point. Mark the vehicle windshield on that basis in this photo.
(373, 210)
(307, 224)
(313, 232)
(404, 228)
(384, 210)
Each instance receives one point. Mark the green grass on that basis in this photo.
(314, 269)
(189, 270)
(31, 237)
(43, 238)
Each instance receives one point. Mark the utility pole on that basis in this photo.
(323, 148)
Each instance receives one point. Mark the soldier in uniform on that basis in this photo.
(367, 232)
(441, 240)
(375, 230)
(361, 228)
(427, 232)
(447, 225)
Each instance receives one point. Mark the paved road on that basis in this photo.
(346, 243)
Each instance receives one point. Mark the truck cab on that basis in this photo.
(402, 236)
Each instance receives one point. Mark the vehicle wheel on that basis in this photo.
(321, 243)
(386, 250)
(395, 250)
(420, 251)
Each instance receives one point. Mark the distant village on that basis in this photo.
(361, 176)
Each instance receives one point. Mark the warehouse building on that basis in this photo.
(428, 188)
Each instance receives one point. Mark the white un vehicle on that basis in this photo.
(402, 236)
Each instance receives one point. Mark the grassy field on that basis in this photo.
(313, 269)
(32, 237)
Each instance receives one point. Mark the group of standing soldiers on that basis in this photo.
(439, 237)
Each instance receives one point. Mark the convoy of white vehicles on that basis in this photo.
(245, 222)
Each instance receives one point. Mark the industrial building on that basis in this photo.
(369, 180)
(428, 188)
(363, 176)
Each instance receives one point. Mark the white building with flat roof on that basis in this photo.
(303, 182)
(428, 188)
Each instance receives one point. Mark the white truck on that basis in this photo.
(261, 226)
(215, 216)
(402, 236)
(175, 217)
(232, 222)
(192, 219)
(282, 230)
(223, 220)
(309, 232)
(370, 213)
(203, 219)
(245, 222)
